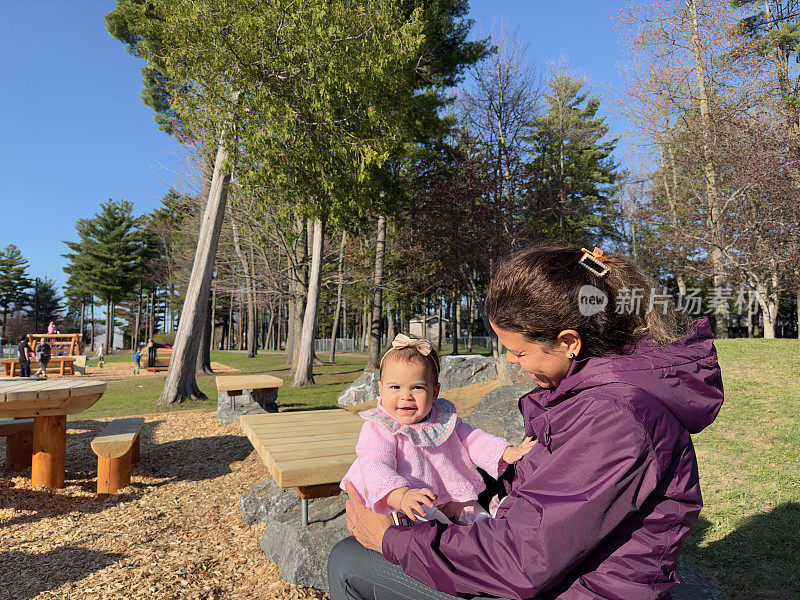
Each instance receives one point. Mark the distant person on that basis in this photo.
(24, 358)
(101, 354)
(137, 357)
(51, 329)
(43, 357)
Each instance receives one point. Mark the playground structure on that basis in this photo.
(65, 349)
(58, 343)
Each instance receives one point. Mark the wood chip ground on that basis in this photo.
(174, 533)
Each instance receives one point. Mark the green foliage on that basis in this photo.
(14, 280)
(44, 303)
(108, 259)
(572, 170)
(774, 25)
(135, 23)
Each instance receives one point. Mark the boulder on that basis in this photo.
(363, 389)
(498, 412)
(692, 587)
(301, 552)
(265, 501)
(229, 408)
(466, 369)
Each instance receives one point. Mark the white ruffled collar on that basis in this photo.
(434, 431)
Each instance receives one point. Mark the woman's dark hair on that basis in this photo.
(537, 292)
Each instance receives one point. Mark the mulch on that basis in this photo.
(175, 532)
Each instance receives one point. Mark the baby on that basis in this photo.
(414, 451)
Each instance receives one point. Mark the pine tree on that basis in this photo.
(45, 303)
(572, 170)
(107, 260)
(14, 280)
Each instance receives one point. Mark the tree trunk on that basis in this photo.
(203, 358)
(471, 322)
(135, 334)
(710, 171)
(441, 327)
(456, 326)
(339, 285)
(364, 325)
(390, 327)
(304, 369)
(377, 299)
(181, 382)
(91, 313)
(251, 301)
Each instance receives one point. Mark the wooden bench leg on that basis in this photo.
(19, 451)
(135, 450)
(49, 447)
(113, 473)
(61, 368)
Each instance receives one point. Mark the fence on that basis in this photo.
(8, 351)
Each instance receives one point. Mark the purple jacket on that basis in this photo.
(601, 505)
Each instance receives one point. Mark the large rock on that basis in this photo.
(498, 412)
(692, 587)
(466, 369)
(250, 402)
(301, 553)
(267, 501)
(363, 389)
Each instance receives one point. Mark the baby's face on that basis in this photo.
(408, 391)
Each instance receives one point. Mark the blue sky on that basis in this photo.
(74, 132)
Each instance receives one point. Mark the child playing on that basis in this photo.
(137, 357)
(414, 450)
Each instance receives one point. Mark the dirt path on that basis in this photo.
(174, 533)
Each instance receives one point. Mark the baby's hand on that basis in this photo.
(513, 453)
(413, 500)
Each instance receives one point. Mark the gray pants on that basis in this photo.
(355, 573)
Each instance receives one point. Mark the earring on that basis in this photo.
(572, 356)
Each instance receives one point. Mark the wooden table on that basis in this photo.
(48, 402)
(309, 450)
(234, 385)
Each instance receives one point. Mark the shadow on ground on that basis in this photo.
(193, 459)
(25, 575)
(759, 559)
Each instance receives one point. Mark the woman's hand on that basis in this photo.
(365, 525)
(513, 453)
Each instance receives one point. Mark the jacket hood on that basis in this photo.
(685, 376)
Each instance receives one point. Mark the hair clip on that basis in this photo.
(593, 261)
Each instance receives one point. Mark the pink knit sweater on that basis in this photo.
(438, 454)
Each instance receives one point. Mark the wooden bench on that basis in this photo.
(308, 450)
(19, 443)
(234, 385)
(117, 447)
(63, 364)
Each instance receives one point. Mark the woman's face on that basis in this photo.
(548, 365)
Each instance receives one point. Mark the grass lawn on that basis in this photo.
(138, 395)
(747, 540)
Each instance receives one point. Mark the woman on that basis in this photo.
(601, 505)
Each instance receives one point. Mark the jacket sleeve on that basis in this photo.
(558, 515)
(376, 450)
(484, 449)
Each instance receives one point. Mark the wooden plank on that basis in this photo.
(12, 427)
(247, 382)
(303, 430)
(117, 437)
(328, 441)
(328, 469)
